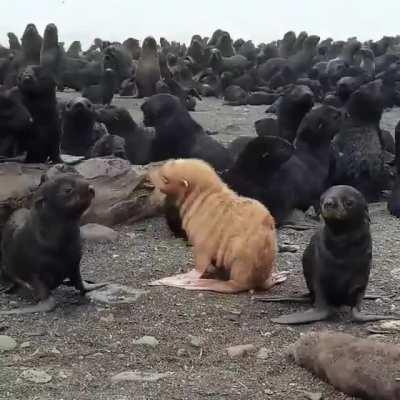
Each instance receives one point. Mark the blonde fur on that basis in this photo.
(232, 235)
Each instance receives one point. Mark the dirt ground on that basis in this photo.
(83, 343)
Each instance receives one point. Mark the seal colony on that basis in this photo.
(320, 148)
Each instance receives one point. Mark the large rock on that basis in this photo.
(123, 195)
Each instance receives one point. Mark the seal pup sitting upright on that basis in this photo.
(337, 261)
(234, 238)
(41, 247)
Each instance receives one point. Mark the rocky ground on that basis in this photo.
(79, 351)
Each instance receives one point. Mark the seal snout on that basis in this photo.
(91, 191)
(330, 204)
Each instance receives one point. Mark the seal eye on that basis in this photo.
(67, 190)
(165, 180)
(348, 203)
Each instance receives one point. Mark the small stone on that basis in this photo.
(391, 325)
(139, 376)
(63, 374)
(196, 341)
(263, 353)
(108, 318)
(268, 392)
(240, 350)
(312, 396)
(36, 376)
(25, 345)
(98, 233)
(377, 337)
(181, 353)
(54, 350)
(147, 341)
(7, 343)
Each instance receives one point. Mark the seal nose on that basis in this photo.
(78, 106)
(92, 191)
(330, 203)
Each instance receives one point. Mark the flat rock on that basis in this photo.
(150, 341)
(98, 233)
(123, 194)
(139, 376)
(240, 350)
(116, 294)
(36, 376)
(7, 343)
(386, 327)
(312, 396)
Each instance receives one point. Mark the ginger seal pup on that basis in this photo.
(234, 238)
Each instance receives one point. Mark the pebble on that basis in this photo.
(263, 353)
(196, 341)
(313, 396)
(25, 345)
(116, 294)
(7, 343)
(181, 353)
(150, 341)
(378, 337)
(139, 376)
(36, 376)
(240, 350)
(98, 233)
(391, 325)
(108, 318)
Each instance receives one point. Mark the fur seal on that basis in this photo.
(79, 128)
(37, 89)
(178, 135)
(50, 53)
(102, 93)
(15, 120)
(295, 104)
(148, 69)
(138, 141)
(361, 368)
(337, 261)
(214, 218)
(50, 238)
(357, 147)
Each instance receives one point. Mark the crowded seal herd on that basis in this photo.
(320, 149)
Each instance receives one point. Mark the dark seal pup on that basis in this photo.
(148, 70)
(80, 131)
(337, 261)
(41, 247)
(37, 89)
(178, 135)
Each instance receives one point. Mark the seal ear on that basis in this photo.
(185, 183)
(193, 92)
(366, 214)
(43, 179)
(39, 199)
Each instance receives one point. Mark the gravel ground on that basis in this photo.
(83, 343)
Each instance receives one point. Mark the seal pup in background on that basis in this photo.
(148, 70)
(234, 238)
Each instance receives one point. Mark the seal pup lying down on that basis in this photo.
(41, 247)
(234, 238)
